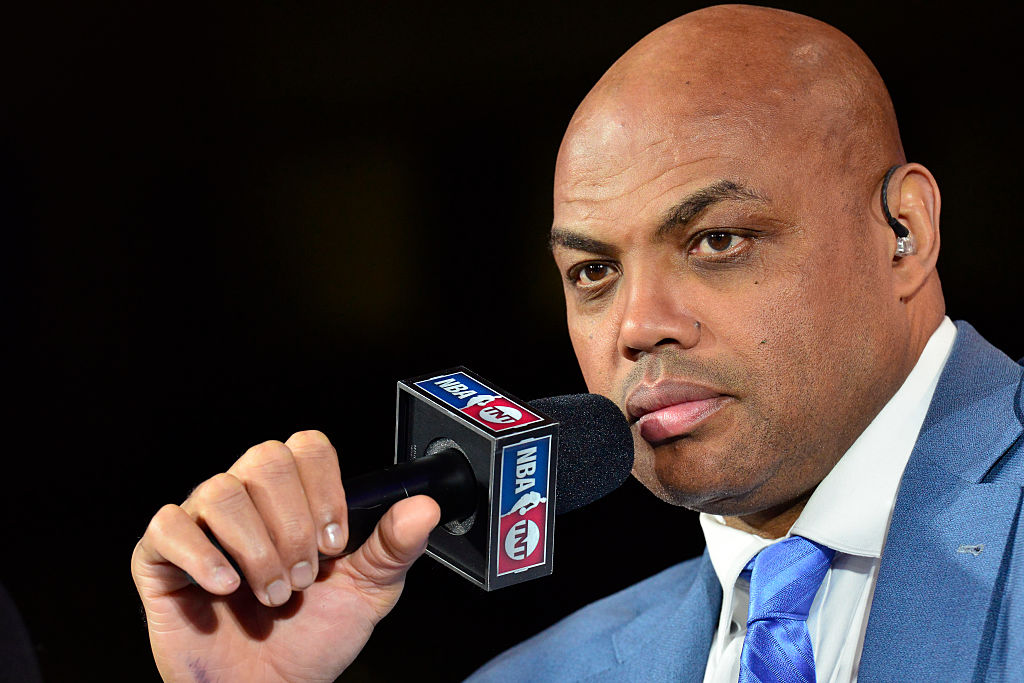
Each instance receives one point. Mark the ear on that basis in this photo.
(914, 201)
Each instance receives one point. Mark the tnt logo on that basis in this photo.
(523, 509)
(479, 402)
(501, 415)
(522, 539)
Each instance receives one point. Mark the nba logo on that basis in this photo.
(479, 402)
(523, 505)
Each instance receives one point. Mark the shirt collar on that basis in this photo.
(850, 509)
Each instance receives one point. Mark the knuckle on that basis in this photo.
(163, 518)
(321, 460)
(139, 562)
(221, 489)
(385, 561)
(296, 527)
(391, 557)
(296, 534)
(388, 554)
(332, 510)
(261, 556)
(268, 459)
(137, 555)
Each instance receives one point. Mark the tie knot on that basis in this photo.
(784, 578)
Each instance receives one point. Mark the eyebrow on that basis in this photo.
(686, 211)
(679, 216)
(560, 237)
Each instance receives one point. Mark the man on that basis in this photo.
(734, 281)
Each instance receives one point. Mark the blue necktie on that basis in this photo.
(783, 580)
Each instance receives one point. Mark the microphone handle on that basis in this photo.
(445, 476)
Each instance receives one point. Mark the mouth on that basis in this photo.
(671, 409)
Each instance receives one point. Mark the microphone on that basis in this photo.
(595, 457)
(488, 460)
(595, 450)
(527, 460)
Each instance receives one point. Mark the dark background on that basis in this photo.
(223, 224)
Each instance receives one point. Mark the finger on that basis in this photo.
(173, 546)
(223, 504)
(317, 462)
(272, 479)
(400, 538)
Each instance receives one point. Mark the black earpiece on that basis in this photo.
(904, 240)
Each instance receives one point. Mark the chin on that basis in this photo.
(692, 475)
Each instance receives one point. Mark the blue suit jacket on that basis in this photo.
(940, 612)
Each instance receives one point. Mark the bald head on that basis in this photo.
(764, 77)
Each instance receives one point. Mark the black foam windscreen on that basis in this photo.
(595, 449)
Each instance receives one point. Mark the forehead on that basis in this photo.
(619, 167)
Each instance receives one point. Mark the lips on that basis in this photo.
(670, 409)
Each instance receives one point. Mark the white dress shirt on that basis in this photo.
(848, 511)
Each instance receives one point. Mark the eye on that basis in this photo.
(713, 243)
(591, 275)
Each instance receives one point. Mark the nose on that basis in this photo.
(655, 315)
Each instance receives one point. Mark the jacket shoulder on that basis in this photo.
(582, 642)
(975, 423)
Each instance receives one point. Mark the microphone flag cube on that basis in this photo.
(513, 451)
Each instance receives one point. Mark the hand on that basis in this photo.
(297, 619)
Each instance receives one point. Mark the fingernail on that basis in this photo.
(332, 536)
(278, 592)
(225, 578)
(302, 574)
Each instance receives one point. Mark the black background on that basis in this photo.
(223, 224)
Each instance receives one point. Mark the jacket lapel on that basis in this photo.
(941, 599)
(671, 641)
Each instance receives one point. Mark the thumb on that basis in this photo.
(380, 564)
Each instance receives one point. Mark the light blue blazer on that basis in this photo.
(940, 612)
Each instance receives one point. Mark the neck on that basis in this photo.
(771, 523)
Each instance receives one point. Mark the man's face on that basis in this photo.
(724, 287)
